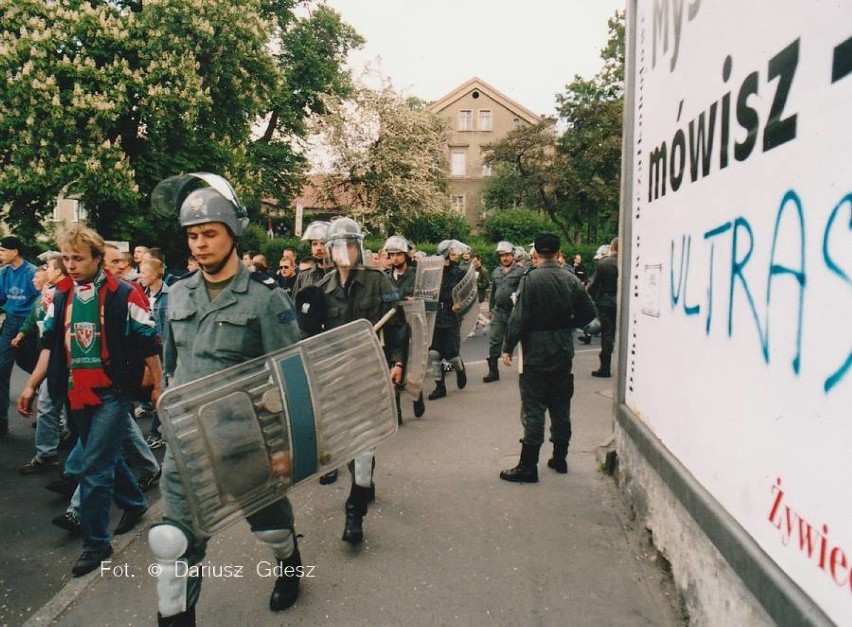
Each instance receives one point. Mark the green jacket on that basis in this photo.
(551, 304)
(250, 318)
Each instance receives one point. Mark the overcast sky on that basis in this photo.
(528, 49)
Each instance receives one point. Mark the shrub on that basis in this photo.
(518, 226)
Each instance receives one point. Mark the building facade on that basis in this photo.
(478, 115)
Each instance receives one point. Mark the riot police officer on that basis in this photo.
(551, 302)
(402, 274)
(504, 284)
(446, 340)
(219, 316)
(350, 292)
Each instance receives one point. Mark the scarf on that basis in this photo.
(87, 350)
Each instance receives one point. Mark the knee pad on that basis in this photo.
(282, 541)
(363, 469)
(457, 363)
(436, 366)
(169, 543)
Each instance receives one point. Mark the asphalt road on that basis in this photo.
(447, 542)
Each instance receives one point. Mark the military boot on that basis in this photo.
(184, 619)
(440, 390)
(286, 589)
(527, 469)
(493, 372)
(419, 406)
(603, 372)
(557, 462)
(356, 509)
(461, 373)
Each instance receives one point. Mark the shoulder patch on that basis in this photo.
(264, 279)
(288, 315)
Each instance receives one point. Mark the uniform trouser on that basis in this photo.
(447, 341)
(278, 515)
(497, 332)
(104, 473)
(607, 316)
(546, 390)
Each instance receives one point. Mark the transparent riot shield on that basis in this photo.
(419, 339)
(427, 287)
(317, 403)
(465, 298)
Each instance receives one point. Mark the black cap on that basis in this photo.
(546, 244)
(10, 242)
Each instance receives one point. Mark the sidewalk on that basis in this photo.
(447, 542)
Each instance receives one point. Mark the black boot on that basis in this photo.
(356, 509)
(440, 389)
(527, 469)
(603, 372)
(461, 373)
(286, 589)
(329, 477)
(419, 406)
(493, 372)
(184, 619)
(557, 462)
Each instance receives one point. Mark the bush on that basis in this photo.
(436, 227)
(518, 226)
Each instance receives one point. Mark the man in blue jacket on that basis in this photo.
(17, 295)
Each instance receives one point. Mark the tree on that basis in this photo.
(573, 177)
(592, 111)
(388, 160)
(105, 98)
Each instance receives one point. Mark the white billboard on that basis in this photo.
(739, 325)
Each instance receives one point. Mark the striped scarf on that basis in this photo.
(87, 349)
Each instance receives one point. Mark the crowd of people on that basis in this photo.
(109, 330)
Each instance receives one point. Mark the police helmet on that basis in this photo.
(397, 244)
(340, 232)
(315, 230)
(504, 247)
(209, 205)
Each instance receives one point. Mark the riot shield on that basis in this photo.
(419, 339)
(465, 297)
(427, 287)
(320, 403)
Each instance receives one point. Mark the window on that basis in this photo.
(516, 122)
(465, 120)
(486, 170)
(485, 119)
(458, 163)
(457, 204)
(80, 212)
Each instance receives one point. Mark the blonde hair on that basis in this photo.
(82, 237)
(155, 265)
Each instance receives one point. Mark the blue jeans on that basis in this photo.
(47, 425)
(10, 329)
(104, 473)
(135, 450)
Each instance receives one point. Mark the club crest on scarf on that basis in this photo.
(84, 332)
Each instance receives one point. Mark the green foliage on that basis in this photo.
(573, 178)
(101, 100)
(518, 226)
(435, 227)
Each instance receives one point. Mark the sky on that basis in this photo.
(528, 50)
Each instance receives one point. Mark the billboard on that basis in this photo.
(739, 323)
